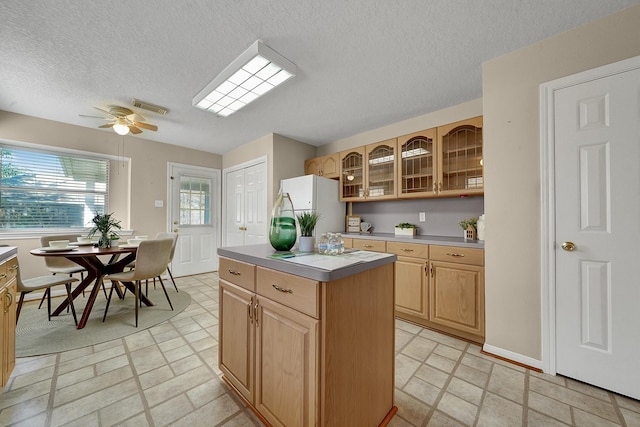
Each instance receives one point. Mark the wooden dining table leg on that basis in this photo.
(91, 277)
(90, 301)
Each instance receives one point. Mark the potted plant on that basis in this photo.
(405, 229)
(307, 222)
(469, 227)
(115, 239)
(104, 224)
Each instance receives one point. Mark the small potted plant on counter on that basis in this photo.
(307, 222)
(469, 227)
(405, 229)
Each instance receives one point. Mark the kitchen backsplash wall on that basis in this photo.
(441, 215)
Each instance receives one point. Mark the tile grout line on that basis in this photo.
(52, 392)
(136, 377)
(485, 390)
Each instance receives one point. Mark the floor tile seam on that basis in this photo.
(525, 399)
(136, 377)
(485, 390)
(443, 390)
(52, 393)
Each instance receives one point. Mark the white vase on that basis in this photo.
(306, 243)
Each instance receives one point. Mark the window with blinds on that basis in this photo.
(48, 190)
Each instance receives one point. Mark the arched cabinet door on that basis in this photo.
(352, 181)
(460, 152)
(417, 174)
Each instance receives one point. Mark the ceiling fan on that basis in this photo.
(123, 120)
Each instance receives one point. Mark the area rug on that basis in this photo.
(35, 335)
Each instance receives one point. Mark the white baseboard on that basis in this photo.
(515, 357)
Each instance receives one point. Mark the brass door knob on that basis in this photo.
(569, 246)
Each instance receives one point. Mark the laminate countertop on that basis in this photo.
(306, 265)
(7, 251)
(425, 240)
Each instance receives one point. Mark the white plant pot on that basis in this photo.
(405, 231)
(306, 243)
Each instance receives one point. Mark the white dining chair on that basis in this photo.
(152, 258)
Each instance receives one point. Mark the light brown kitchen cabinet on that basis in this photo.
(442, 162)
(411, 280)
(417, 175)
(370, 245)
(461, 170)
(8, 286)
(456, 290)
(369, 172)
(327, 166)
(288, 344)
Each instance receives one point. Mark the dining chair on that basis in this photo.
(161, 235)
(44, 282)
(152, 258)
(60, 264)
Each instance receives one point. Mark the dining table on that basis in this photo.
(93, 259)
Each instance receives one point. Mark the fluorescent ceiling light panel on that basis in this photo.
(254, 73)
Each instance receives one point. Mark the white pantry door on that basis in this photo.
(597, 199)
(194, 215)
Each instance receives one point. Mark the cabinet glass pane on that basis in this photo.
(462, 159)
(381, 171)
(416, 165)
(352, 179)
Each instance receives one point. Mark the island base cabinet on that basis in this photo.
(8, 289)
(286, 365)
(307, 353)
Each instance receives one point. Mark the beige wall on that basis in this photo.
(285, 159)
(512, 168)
(147, 172)
(425, 121)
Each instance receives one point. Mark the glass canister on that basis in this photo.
(282, 233)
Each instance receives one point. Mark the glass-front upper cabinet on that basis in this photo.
(461, 164)
(380, 170)
(417, 165)
(352, 183)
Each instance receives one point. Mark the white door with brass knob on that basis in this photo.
(194, 213)
(597, 230)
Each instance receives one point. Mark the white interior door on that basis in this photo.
(245, 209)
(194, 215)
(597, 208)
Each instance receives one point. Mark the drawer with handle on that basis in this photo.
(297, 292)
(238, 272)
(370, 245)
(458, 255)
(415, 250)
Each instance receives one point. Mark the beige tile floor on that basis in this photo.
(168, 375)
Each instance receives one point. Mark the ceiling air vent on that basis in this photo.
(149, 107)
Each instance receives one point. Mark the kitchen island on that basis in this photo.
(305, 345)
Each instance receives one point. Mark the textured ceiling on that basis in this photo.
(361, 64)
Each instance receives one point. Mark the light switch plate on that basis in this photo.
(159, 204)
(423, 216)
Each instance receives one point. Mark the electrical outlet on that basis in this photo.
(422, 217)
(159, 203)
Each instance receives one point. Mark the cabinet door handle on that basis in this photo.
(431, 270)
(406, 250)
(14, 267)
(3, 275)
(455, 255)
(255, 313)
(367, 246)
(234, 272)
(249, 310)
(10, 298)
(283, 290)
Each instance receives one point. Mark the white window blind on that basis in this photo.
(48, 190)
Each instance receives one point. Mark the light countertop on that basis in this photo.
(262, 255)
(425, 240)
(7, 251)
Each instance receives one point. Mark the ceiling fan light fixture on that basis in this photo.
(120, 128)
(255, 72)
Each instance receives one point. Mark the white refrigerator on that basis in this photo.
(322, 195)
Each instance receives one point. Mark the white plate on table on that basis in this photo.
(50, 249)
(128, 246)
(82, 243)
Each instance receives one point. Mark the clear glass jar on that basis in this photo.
(332, 244)
(340, 243)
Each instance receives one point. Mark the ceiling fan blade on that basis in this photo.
(134, 130)
(105, 112)
(146, 126)
(95, 117)
(135, 117)
(108, 125)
